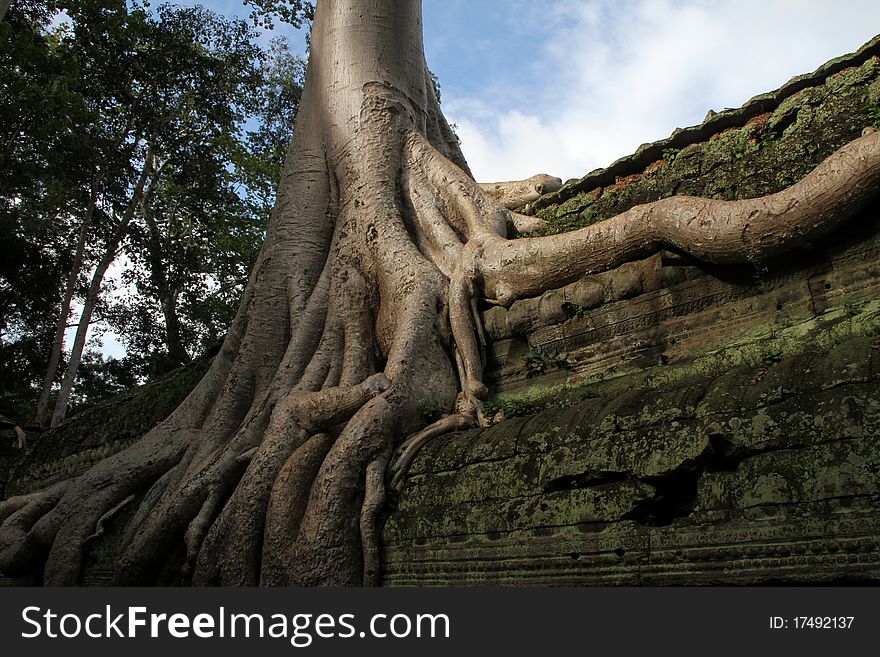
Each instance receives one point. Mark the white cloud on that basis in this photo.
(620, 74)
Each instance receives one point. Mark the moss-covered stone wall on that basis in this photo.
(668, 422)
(97, 431)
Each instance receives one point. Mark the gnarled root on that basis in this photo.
(715, 231)
(18, 516)
(524, 224)
(410, 447)
(516, 194)
(287, 505)
(273, 471)
(374, 500)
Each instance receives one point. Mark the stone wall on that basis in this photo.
(668, 422)
(95, 432)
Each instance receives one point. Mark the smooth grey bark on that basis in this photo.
(359, 318)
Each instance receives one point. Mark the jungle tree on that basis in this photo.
(87, 97)
(359, 317)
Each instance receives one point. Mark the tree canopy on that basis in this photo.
(96, 92)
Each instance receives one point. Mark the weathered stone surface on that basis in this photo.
(98, 431)
(720, 425)
(714, 479)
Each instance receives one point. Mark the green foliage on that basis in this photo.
(850, 306)
(538, 398)
(564, 223)
(540, 360)
(201, 229)
(571, 215)
(767, 140)
(873, 114)
(264, 13)
(87, 93)
(259, 157)
(435, 84)
(431, 415)
(574, 309)
(45, 166)
(669, 154)
(513, 406)
(99, 377)
(770, 354)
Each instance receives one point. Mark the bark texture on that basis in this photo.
(359, 320)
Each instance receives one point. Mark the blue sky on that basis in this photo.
(565, 86)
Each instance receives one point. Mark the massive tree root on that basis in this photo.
(359, 319)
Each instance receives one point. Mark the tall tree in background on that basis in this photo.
(45, 188)
(359, 318)
(199, 230)
(119, 109)
(186, 79)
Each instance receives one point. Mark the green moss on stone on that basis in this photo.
(98, 431)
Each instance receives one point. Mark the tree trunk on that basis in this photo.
(42, 412)
(158, 246)
(359, 318)
(4, 7)
(173, 340)
(91, 299)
